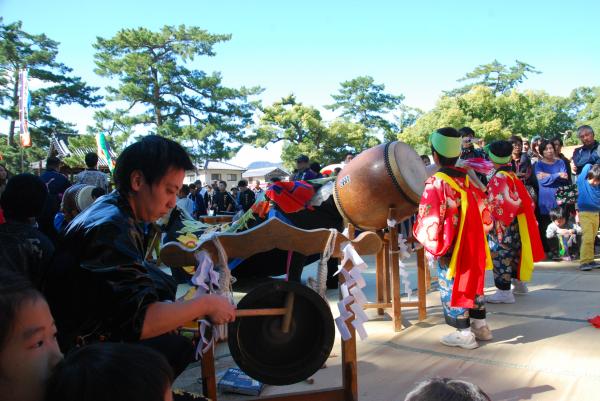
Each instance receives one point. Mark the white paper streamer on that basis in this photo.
(360, 329)
(352, 294)
(344, 313)
(351, 255)
(344, 290)
(358, 278)
(342, 328)
(403, 253)
(359, 296)
(359, 313)
(205, 277)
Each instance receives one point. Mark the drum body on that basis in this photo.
(391, 175)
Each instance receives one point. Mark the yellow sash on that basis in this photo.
(526, 262)
(464, 204)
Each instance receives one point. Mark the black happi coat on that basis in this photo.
(100, 286)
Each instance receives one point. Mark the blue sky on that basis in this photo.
(416, 48)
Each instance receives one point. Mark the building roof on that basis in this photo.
(218, 165)
(261, 172)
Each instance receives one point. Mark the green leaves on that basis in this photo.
(494, 116)
(303, 131)
(37, 53)
(364, 102)
(496, 76)
(168, 97)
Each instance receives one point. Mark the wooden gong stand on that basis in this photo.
(388, 278)
(275, 234)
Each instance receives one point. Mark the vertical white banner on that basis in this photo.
(24, 108)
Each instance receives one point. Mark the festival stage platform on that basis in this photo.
(543, 346)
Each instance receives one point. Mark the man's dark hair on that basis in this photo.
(198, 184)
(153, 156)
(98, 192)
(447, 161)
(515, 139)
(447, 390)
(52, 162)
(15, 289)
(223, 182)
(185, 190)
(583, 128)
(594, 172)
(316, 167)
(24, 197)
(557, 213)
(192, 187)
(466, 131)
(91, 159)
(242, 183)
(111, 371)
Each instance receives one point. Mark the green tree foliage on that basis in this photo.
(363, 101)
(585, 102)
(498, 77)
(303, 131)
(57, 87)
(494, 116)
(161, 93)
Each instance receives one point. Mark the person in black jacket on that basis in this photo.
(101, 288)
(246, 197)
(23, 247)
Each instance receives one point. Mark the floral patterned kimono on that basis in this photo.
(451, 225)
(510, 207)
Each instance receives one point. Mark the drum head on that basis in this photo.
(261, 349)
(408, 169)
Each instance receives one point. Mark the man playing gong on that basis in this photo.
(451, 225)
(515, 240)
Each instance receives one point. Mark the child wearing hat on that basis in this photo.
(515, 242)
(451, 225)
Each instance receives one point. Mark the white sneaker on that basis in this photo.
(463, 339)
(519, 287)
(501, 297)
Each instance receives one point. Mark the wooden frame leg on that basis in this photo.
(209, 380)
(379, 278)
(422, 268)
(387, 298)
(395, 276)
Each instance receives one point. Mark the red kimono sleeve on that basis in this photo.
(437, 221)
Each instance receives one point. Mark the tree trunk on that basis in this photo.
(15, 106)
(156, 98)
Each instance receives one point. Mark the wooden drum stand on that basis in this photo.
(388, 278)
(274, 234)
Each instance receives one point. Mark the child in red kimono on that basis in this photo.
(450, 226)
(515, 240)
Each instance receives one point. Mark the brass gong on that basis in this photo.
(278, 353)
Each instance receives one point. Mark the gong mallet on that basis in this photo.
(286, 312)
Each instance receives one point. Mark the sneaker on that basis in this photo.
(501, 297)
(462, 339)
(566, 258)
(586, 267)
(483, 333)
(519, 287)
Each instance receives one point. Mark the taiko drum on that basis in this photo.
(391, 175)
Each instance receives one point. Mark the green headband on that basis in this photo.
(496, 159)
(445, 145)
